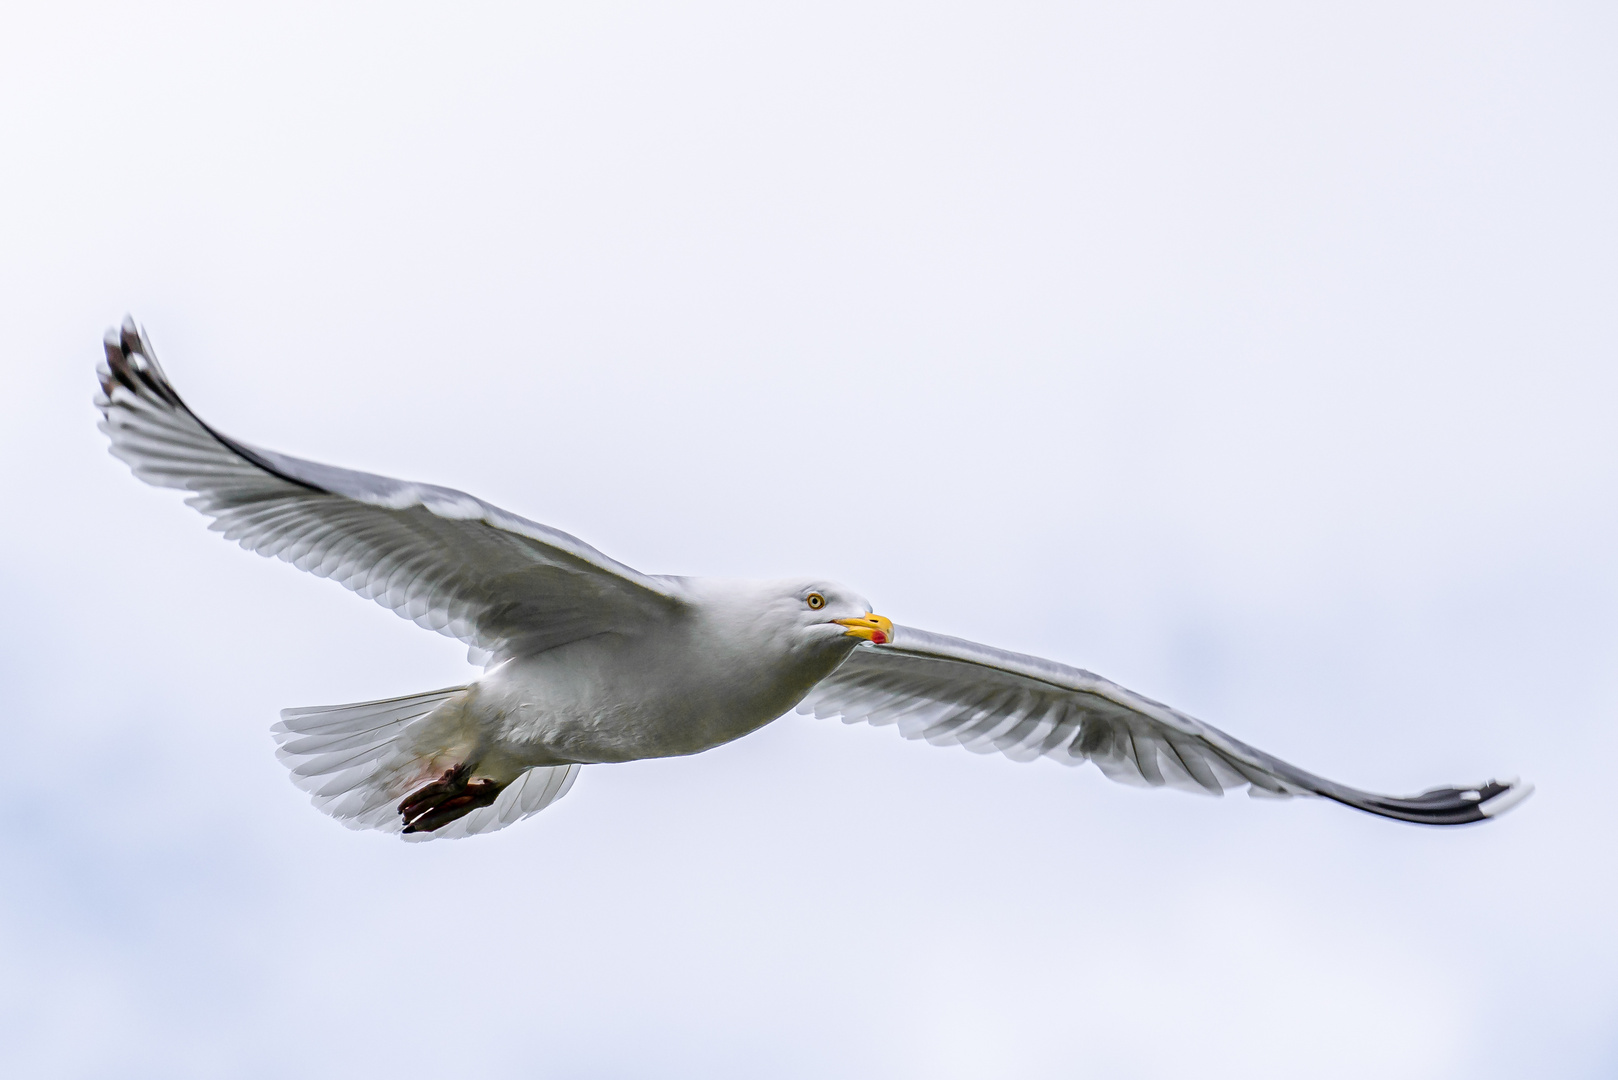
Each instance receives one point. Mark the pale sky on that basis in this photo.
(1263, 360)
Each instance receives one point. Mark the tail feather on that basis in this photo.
(356, 764)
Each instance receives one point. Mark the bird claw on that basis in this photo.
(451, 796)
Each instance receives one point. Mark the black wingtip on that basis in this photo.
(131, 336)
(132, 364)
(119, 372)
(1442, 806)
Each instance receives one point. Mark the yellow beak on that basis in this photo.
(873, 628)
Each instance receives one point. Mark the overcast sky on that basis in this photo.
(1261, 359)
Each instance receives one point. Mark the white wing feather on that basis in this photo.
(439, 557)
(953, 692)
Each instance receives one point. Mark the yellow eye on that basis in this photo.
(815, 601)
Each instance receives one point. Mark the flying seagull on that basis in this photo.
(587, 661)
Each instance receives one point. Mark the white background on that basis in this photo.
(1261, 359)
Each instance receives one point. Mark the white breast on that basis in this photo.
(722, 672)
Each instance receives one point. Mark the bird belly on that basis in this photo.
(606, 700)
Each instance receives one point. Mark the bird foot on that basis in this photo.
(453, 795)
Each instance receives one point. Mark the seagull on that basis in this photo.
(587, 661)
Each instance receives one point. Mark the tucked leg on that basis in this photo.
(453, 795)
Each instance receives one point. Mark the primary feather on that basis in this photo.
(953, 692)
(441, 558)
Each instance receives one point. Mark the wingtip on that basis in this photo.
(130, 337)
(132, 361)
(1515, 792)
(117, 368)
(1438, 806)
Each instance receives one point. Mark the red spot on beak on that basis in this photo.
(879, 638)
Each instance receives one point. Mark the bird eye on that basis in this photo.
(815, 601)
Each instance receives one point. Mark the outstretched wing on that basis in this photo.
(446, 560)
(954, 692)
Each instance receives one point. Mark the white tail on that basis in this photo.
(356, 765)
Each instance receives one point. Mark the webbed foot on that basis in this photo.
(453, 795)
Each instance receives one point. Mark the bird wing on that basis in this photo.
(954, 692)
(443, 559)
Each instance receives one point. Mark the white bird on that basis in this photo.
(588, 661)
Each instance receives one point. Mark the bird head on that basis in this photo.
(833, 612)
